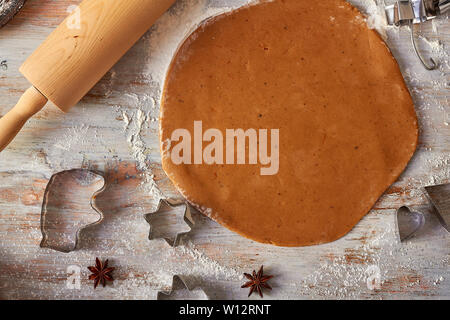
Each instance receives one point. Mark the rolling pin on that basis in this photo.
(73, 59)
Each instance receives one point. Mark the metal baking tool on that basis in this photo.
(180, 284)
(413, 12)
(409, 222)
(63, 215)
(439, 197)
(164, 222)
(8, 9)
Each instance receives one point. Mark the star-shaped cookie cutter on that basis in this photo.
(80, 174)
(171, 204)
(180, 283)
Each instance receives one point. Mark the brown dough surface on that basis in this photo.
(314, 70)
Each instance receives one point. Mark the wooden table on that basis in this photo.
(114, 129)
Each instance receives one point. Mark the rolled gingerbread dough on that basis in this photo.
(317, 73)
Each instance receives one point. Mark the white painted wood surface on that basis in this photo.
(114, 129)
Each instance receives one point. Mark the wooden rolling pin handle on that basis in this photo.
(30, 103)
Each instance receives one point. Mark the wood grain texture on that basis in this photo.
(96, 134)
(31, 102)
(79, 52)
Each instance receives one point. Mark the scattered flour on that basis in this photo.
(340, 276)
(165, 39)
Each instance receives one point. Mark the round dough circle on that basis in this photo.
(316, 72)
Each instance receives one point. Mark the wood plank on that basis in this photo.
(96, 134)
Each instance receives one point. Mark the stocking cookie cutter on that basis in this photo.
(82, 173)
(413, 12)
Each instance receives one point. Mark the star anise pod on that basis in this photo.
(100, 273)
(257, 282)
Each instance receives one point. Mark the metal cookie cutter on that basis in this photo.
(8, 9)
(412, 12)
(439, 197)
(179, 283)
(410, 222)
(161, 217)
(64, 216)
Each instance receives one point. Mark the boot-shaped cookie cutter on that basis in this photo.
(59, 226)
(409, 222)
(413, 12)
